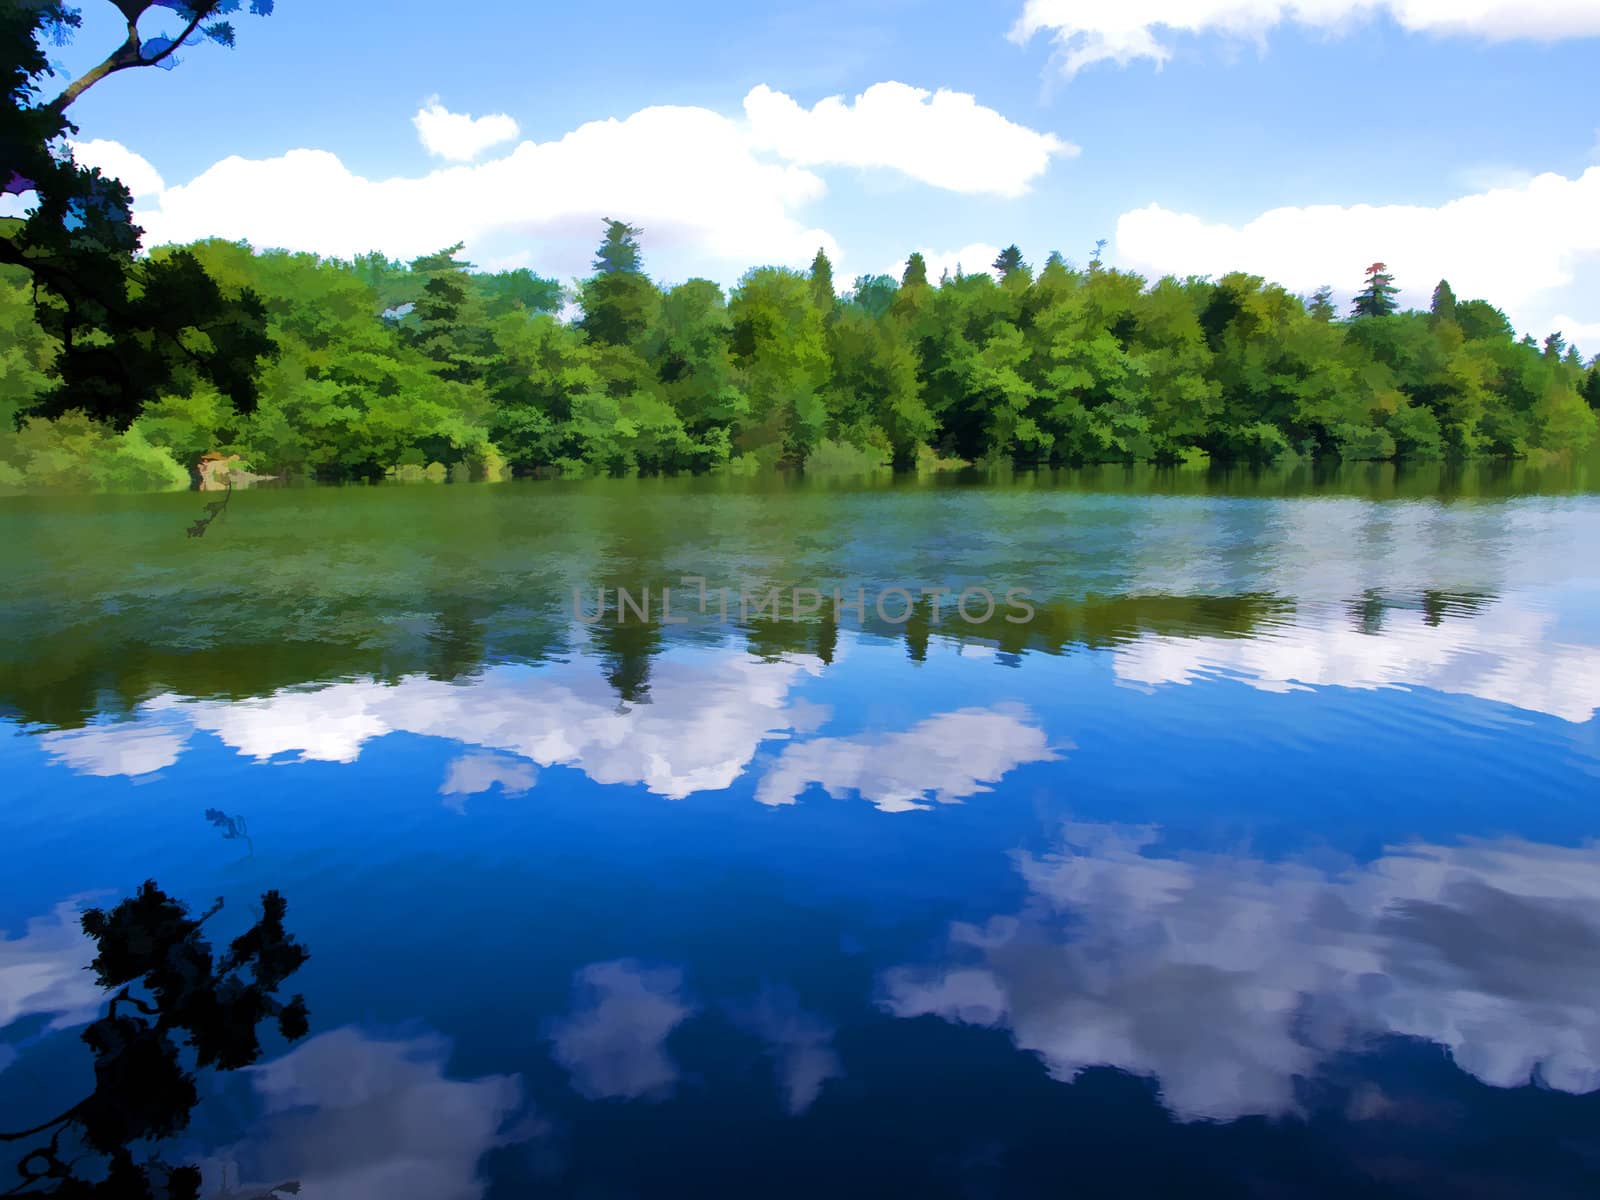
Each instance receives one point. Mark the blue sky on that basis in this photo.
(1195, 135)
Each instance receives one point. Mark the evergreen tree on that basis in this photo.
(619, 302)
(438, 321)
(1377, 298)
(916, 273)
(1555, 346)
(619, 251)
(1444, 302)
(1321, 306)
(822, 293)
(1591, 387)
(1008, 260)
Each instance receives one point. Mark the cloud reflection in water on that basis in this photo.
(1226, 979)
(349, 1116)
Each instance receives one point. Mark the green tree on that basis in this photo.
(693, 357)
(1321, 306)
(875, 294)
(822, 293)
(780, 348)
(128, 328)
(446, 322)
(619, 301)
(1443, 307)
(873, 397)
(916, 272)
(1482, 321)
(619, 250)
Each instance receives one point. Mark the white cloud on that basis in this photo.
(1515, 247)
(115, 159)
(687, 175)
(457, 136)
(355, 1117)
(950, 756)
(1229, 978)
(46, 970)
(713, 192)
(944, 138)
(614, 1043)
(801, 1045)
(1121, 33)
(1585, 335)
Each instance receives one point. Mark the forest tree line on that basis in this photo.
(434, 369)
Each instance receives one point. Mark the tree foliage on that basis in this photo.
(127, 329)
(433, 369)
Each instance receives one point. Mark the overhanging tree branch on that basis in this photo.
(129, 54)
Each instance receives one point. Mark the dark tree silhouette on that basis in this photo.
(129, 329)
(1008, 260)
(186, 998)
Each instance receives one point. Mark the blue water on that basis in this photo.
(1262, 863)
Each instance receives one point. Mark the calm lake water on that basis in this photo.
(1261, 860)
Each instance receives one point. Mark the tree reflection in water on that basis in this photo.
(170, 992)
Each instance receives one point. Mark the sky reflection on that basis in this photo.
(1229, 979)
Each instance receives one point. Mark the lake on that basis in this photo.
(1251, 850)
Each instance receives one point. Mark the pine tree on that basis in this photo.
(619, 251)
(916, 274)
(1591, 386)
(822, 293)
(1008, 260)
(1377, 298)
(444, 322)
(1555, 345)
(619, 302)
(1444, 302)
(1321, 306)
